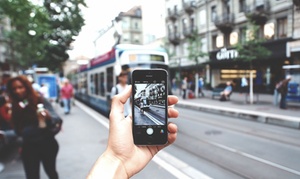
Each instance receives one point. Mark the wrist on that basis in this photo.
(108, 166)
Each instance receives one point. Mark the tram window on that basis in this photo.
(92, 83)
(102, 89)
(96, 84)
(109, 78)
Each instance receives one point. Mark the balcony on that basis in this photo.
(189, 6)
(225, 22)
(189, 32)
(172, 14)
(174, 38)
(258, 13)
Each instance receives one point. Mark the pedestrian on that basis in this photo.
(276, 93)
(200, 87)
(39, 144)
(244, 85)
(184, 86)
(119, 88)
(44, 90)
(66, 95)
(123, 159)
(174, 86)
(283, 89)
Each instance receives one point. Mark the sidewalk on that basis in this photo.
(262, 109)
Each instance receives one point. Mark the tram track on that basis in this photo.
(205, 146)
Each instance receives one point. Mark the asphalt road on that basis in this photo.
(208, 146)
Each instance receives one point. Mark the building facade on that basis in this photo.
(220, 25)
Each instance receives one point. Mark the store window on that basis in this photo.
(236, 74)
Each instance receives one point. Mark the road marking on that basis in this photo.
(153, 119)
(163, 159)
(255, 158)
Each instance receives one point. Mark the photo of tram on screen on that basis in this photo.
(150, 103)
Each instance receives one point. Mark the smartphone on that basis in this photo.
(149, 106)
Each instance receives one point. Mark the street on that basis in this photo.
(208, 146)
(153, 116)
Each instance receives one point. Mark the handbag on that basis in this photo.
(55, 124)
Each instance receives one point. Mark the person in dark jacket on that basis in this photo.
(39, 144)
(283, 89)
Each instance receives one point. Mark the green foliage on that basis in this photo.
(252, 49)
(195, 47)
(42, 35)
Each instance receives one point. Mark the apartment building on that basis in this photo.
(220, 25)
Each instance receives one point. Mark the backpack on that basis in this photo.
(279, 87)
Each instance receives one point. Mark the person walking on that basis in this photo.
(283, 89)
(200, 87)
(244, 85)
(119, 88)
(66, 94)
(39, 144)
(184, 86)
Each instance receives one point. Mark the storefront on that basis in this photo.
(224, 66)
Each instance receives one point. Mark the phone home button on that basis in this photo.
(149, 131)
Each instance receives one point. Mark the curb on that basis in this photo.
(268, 118)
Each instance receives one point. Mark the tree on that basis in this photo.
(41, 35)
(252, 49)
(195, 52)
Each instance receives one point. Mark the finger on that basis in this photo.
(117, 106)
(172, 99)
(172, 129)
(172, 113)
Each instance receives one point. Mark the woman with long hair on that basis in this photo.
(39, 144)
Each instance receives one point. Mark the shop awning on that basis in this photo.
(292, 47)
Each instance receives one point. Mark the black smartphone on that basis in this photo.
(149, 106)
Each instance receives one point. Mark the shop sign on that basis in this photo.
(225, 54)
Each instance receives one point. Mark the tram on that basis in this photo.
(95, 80)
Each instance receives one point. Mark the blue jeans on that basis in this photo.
(67, 105)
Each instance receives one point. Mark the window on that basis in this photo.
(102, 89)
(96, 84)
(282, 28)
(136, 26)
(242, 35)
(242, 5)
(109, 78)
(213, 13)
(214, 42)
(92, 84)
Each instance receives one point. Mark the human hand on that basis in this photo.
(122, 158)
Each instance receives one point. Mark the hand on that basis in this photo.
(123, 159)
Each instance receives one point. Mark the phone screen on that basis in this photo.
(149, 107)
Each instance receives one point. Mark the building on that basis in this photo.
(220, 25)
(126, 28)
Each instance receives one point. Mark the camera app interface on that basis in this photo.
(150, 103)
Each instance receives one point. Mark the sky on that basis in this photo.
(97, 15)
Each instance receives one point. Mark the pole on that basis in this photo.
(251, 87)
